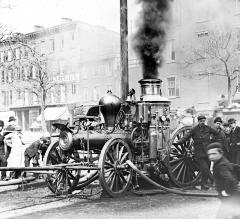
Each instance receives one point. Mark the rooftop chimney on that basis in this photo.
(66, 20)
(38, 28)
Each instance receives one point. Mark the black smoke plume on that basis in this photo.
(149, 41)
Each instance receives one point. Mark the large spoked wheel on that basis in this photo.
(59, 181)
(182, 167)
(115, 175)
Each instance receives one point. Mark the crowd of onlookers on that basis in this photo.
(14, 152)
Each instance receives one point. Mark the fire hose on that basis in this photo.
(163, 188)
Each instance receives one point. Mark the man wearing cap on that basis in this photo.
(234, 142)
(221, 137)
(201, 135)
(3, 160)
(12, 124)
(226, 182)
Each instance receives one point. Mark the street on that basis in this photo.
(41, 203)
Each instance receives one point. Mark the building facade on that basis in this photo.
(191, 21)
(82, 61)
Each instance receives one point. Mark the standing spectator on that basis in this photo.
(226, 183)
(3, 160)
(234, 142)
(201, 134)
(12, 124)
(221, 137)
(16, 157)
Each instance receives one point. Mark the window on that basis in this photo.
(9, 55)
(172, 87)
(18, 74)
(10, 97)
(61, 67)
(2, 76)
(73, 88)
(25, 96)
(52, 45)
(73, 36)
(5, 98)
(170, 49)
(17, 53)
(18, 93)
(10, 76)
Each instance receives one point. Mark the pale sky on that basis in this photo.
(27, 13)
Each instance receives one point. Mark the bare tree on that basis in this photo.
(37, 78)
(218, 53)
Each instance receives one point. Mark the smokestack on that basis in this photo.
(149, 41)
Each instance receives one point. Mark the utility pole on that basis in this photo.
(124, 49)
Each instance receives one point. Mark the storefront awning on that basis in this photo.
(55, 113)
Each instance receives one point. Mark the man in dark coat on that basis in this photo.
(3, 160)
(226, 182)
(201, 135)
(234, 142)
(221, 137)
(32, 152)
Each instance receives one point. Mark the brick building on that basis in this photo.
(82, 59)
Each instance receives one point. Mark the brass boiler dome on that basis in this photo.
(109, 106)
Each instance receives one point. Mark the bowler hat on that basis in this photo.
(218, 119)
(1, 123)
(11, 118)
(201, 117)
(7, 132)
(231, 121)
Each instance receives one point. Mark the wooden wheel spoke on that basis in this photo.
(110, 157)
(180, 172)
(178, 165)
(122, 177)
(117, 151)
(108, 170)
(124, 157)
(69, 182)
(108, 164)
(112, 182)
(120, 153)
(117, 184)
(109, 177)
(175, 161)
(53, 159)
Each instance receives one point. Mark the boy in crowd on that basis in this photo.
(226, 182)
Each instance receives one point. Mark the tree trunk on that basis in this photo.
(43, 121)
(229, 91)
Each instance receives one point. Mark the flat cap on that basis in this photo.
(214, 145)
(232, 120)
(201, 117)
(218, 119)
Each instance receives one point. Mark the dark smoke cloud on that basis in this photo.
(149, 40)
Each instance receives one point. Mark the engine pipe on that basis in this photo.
(175, 191)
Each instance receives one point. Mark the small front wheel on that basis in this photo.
(115, 175)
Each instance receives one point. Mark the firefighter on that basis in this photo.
(201, 135)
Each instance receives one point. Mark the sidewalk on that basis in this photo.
(19, 184)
